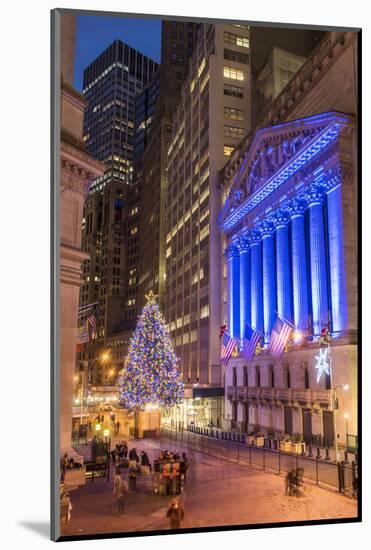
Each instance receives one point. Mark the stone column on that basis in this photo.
(245, 284)
(269, 277)
(233, 281)
(256, 280)
(284, 292)
(315, 197)
(339, 308)
(299, 265)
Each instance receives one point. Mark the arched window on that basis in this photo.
(245, 377)
(271, 376)
(257, 376)
(287, 376)
(328, 381)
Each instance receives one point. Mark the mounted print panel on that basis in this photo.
(206, 319)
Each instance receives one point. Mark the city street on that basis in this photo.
(217, 493)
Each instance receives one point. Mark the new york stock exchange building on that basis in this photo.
(290, 235)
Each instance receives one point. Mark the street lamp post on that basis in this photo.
(346, 416)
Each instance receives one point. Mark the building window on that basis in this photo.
(228, 150)
(257, 376)
(233, 131)
(233, 114)
(204, 311)
(245, 377)
(234, 374)
(232, 55)
(233, 73)
(306, 378)
(271, 376)
(287, 376)
(233, 91)
(236, 39)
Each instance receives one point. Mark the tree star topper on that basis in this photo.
(322, 364)
(151, 297)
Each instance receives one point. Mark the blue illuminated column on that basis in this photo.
(284, 300)
(339, 308)
(245, 284)
(269, 277)
(256, 280)
(233, 279)
(317, 258)
(297, 209)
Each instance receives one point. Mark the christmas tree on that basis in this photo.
(151, 374)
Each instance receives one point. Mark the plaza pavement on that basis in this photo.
(217, 493)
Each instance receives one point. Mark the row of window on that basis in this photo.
(236, 39)
(233, 73)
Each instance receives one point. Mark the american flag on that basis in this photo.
(92, 321)
(228, 346)
(279, 337)
(250, 341)
(82, 335)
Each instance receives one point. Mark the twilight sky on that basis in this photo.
(96, 32)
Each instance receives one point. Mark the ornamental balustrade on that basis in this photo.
(268, 394)
(300, 395)
(254, 393)
(231, 392)
(283, 394)
(321, 396)
(242, 392)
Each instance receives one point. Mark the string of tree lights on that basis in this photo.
(151, 375)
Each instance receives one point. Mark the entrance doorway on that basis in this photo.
(328, 428)
(288, 420)
(307, 426)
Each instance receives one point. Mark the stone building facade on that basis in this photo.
(77, 168)
(290, 223)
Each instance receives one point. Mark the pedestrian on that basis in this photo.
(121, 504)
(175, 513)
(66, 507)
(117, 427)
(117, 484)
(184, 466)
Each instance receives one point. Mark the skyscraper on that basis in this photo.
(178, 40)
(212, 117)
(111, 84)
(144, 112)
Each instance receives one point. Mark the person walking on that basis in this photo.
(121, 504)
(117, 484)
(175, 513)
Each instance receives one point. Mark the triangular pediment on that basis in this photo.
(274, 155)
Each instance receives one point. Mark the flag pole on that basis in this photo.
(286, 321)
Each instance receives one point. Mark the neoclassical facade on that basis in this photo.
(289, 222)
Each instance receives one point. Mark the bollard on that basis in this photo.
(341, 477)
(327, 457)
(318, 454)
(346, 461)
(310, 454)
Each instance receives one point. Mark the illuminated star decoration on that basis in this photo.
(322, 364)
